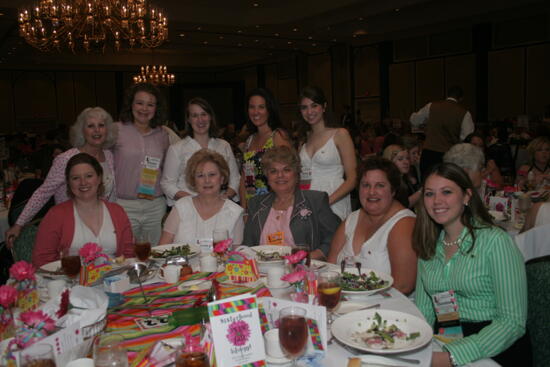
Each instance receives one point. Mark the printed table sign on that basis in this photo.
(236, 331)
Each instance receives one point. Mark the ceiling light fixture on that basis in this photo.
(92, 24)
(157, 75)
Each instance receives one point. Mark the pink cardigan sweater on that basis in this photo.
(56, 232)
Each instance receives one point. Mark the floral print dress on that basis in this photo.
(255, 182)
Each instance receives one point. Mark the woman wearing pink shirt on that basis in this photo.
(92, 133)
(139, 159)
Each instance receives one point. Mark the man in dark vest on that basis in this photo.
(447, 123)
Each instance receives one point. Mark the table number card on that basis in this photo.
(236, 332)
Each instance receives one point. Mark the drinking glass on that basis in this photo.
(219, 235)
(70, 263)
(192, 355)
(329, 289)
(293, 332)
(142, 248)
(109, 351)
(39, 355)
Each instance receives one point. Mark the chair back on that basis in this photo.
(24, 244)
(538, 317)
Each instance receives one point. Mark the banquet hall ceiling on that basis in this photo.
(224, 33)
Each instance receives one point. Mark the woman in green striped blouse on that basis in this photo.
(460, 249)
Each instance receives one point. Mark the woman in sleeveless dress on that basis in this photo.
(379, 233)
(264, 121)
(328, 154)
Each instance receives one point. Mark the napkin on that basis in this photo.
(89, 305)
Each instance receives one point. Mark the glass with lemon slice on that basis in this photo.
(329, 289)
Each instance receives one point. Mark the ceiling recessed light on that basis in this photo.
(199, 28)
(309, 37)
(239, 31)
(276, 34)
(396, 9)
(314, 44)
(220, 37)
(289, 42)
(255, 5)
(294, 29)
(182, 34)
(257, 26)
(256, 41)
(240, 44)
(360, 18)
(205, 42)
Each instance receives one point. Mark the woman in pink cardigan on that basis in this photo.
(84, 218)
(92, 133)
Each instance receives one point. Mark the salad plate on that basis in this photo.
(369, 282)
(382, 331)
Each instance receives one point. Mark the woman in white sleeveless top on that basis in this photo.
(328, 154)
(379, 234)
(194, 218)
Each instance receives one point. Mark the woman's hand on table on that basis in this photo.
(12, 234)
(441, 359)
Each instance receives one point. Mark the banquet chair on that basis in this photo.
(24, 244)
(534, 242)
(538, 317)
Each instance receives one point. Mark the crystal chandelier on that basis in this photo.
(92, 24)
(156, 75)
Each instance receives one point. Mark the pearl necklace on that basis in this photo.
(452, 243)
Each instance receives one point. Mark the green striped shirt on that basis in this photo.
(490, 285)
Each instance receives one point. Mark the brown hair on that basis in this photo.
(282, 154)
(385, 165)
(202, 103)
(426, 230)
(126, 115)
(203, 156)
(84, 158)
(536, 144)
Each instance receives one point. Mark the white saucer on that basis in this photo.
(273, 360)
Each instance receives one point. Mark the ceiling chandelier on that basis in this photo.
(157, 75)
(92, 25)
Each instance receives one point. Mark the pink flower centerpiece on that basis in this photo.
(22, 278)
(21, 271)
(221, 247)
(296, 257)
(8, 296)
(36, 326)
(90, 252)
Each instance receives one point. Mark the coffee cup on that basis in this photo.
(274, 275)
(272, 344)
(170, 273)
(208, 263)
(55, 287)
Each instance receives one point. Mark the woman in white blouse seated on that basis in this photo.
(84, 218)
(379, 234)
(194, 218)
(201, 130)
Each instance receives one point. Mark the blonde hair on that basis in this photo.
(203, 156)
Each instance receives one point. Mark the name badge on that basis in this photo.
(148, 178)
(206, 244)
(446, 310)
(305, 178)
(276, 238)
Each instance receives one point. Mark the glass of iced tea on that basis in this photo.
(70, 263)
(38, 355)
(293, 332)
(192, 355)
(142, 247)
(329, 289)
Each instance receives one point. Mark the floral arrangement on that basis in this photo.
(22, 278)
(36, 325)
(296, 278)
(220, 248)
(95, 263)
(296, 257)
(8, 297)
(92, 251)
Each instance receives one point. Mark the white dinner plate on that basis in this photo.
(345, 327)
(388, 278)
(194, 250)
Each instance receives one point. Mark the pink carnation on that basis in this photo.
(222, 246)
(296, 257)
(295, 277)
(22, 270)
(37, 320)
(90, 251)
(8, 295)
